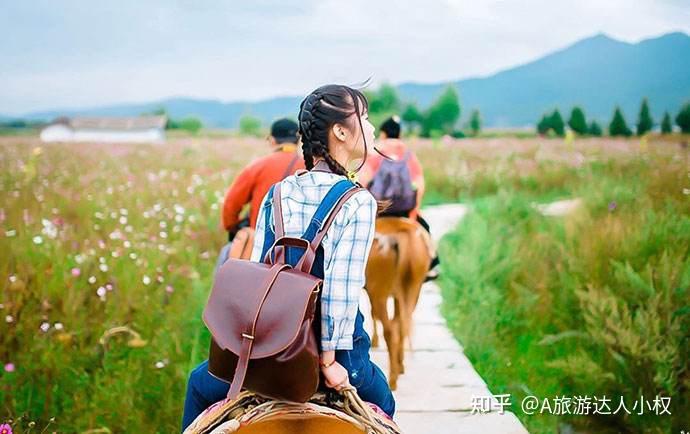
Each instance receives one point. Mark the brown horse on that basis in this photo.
(398, 263)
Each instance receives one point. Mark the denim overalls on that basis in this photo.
(203, 389)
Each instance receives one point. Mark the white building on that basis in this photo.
(142, 129)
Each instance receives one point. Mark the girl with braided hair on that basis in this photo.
(336, 134)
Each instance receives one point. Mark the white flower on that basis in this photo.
(163, 225)
(92, 279)
(103, 267)
(127, 244)
(132, 256)
(160, 365)
(123, 220)
(38, 239)
(101, 260)
(49, 229)
(79, 258)
(179, 218)
(9, 319)
(146, 280)
(178, 209)
(13, 278)
(123, 211)
(10, 233)
(45, 327)
(58, 326)
(100, 292)
(162, 234)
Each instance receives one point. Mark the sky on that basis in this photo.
(68, 54)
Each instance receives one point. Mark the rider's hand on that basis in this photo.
(336, 376)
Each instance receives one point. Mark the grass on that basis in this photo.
(98, 237)
(593, 303)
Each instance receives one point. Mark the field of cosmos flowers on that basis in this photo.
(107, 254)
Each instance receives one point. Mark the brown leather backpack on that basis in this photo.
(260, 316)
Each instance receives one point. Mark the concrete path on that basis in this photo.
(435, 394)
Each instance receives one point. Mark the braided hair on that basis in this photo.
(319, 111)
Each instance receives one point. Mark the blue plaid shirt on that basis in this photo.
(346, 247)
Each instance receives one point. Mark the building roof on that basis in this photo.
(113, 123)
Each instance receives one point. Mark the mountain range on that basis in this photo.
(596, 73)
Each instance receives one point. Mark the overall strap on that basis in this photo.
(269, 235)
(307, 261)
(325, 207)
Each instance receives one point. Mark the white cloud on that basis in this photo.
(74, 54)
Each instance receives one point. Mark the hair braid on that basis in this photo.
(319, 111)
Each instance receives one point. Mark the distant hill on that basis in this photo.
(597, 73)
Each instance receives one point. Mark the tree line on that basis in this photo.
(553, 122)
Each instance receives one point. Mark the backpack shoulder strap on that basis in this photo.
(291, 166)
(278, 212)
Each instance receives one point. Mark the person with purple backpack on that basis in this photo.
(397, 180)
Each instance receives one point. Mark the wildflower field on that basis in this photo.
(107, 251)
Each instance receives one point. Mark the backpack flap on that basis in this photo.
(269, 301)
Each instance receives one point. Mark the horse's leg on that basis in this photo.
(375, 316)
(401, 324)
(391, 335)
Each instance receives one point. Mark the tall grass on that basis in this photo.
(99, 237)
(593, 303)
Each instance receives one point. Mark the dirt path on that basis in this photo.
(435, 394)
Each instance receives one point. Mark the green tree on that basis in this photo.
(644, 121)
(666, 125)
(618, 126)
(475, 122)
(443, 114)
(594, 129)
(412, 116)
(556, 123)
(683, 118)
(193, 125)
(250, 126)
(577, 121)
(383, 103)
(544, 124)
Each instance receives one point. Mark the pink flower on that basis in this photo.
(5, 429)
(169, 289)
(76, 272)
(9, 367)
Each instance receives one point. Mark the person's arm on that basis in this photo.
(237, 196)
(344, 274)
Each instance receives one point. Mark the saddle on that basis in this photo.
(323, 413)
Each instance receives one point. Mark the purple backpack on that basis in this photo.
(392, 182)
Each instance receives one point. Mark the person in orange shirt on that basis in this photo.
(254, 181)
(398, 179)
(252, 184)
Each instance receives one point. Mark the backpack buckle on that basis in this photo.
(247, 336)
